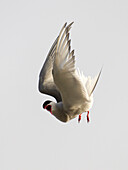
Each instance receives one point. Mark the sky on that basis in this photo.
(30, 137)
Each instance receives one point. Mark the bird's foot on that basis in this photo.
(79, 119)
(88, 116)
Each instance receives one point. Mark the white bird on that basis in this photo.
(60, 79)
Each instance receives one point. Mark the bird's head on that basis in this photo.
(56, 109)
(48, 106)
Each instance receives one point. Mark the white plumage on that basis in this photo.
(60, 79)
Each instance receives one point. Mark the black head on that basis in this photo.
(46, 103)
(49, 108)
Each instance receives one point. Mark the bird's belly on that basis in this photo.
(73, 112)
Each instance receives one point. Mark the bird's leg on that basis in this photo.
(87, 116)
(79, 119)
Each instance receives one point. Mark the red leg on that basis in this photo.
(79, 119)
(88, 116)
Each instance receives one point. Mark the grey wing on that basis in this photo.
(46, 83)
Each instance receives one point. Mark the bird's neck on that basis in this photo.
(59, 113)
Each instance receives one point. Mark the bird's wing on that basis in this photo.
(89, 82)
(46, 83)
(65, 75)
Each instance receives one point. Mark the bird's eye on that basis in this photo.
(49, 108)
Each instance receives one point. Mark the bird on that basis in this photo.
(60, 79)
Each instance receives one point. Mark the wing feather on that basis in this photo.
(92, 82)
(46, 83)
(64, 72)
(89, 82)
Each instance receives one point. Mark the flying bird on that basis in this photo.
(61, 79)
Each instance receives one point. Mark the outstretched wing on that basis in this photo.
(65, 75)
(46, 83)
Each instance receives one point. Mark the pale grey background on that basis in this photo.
(32, 139)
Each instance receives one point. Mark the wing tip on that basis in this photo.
(96, 80)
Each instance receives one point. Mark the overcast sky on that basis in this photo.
(30, 137)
